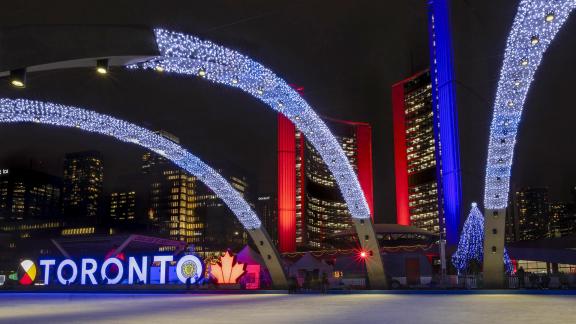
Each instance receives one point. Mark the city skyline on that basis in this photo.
(476, 67)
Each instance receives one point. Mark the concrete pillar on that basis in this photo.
(369, 243)
(494, 224)
(271, 257)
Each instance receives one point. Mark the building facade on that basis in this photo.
(221, 230)
(310, 206)
(182, 208)
(562, 219)
(418, 201)
(171, 198)
(28, 195)
(267, 209)
(122, 206)
(82, 191)
(533, 208)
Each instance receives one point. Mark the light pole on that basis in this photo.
(442, 260)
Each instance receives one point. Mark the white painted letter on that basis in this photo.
(141, 272)
(88, 272)
(163, 259)
(72, 277)
(47, 264)
(106, 264)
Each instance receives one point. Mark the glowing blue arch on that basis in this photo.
(21, 110)
(535, 26)
(186, 54)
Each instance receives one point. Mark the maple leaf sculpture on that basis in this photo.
(227, 271)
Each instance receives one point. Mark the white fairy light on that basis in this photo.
(22, 110)
(536, 24)
(186, 54)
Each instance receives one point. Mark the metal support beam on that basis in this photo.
(51, 47)
(369, 243)
(271, 257)
(494, 223)
(124, 245)
(60, 248)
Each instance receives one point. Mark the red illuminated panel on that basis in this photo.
(286, 185)
(400, 160)
(364, 156)
(252, 277)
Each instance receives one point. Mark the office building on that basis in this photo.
(220, 228)
(533, 207)
(416, 162)
(28, 195)
(82, 192)
(122, 206)
(267, 210)
(562, 219)
(170, 197)
(182, 208)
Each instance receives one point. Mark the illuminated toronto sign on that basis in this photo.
(112, 271)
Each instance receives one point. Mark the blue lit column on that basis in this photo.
(445, 119)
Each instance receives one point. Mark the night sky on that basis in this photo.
(346, 54)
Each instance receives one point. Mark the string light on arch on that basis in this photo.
(21, 110)
(189, 55)
(536, 24)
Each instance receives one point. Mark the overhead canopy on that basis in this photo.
(309, 263)
(249, 256)
(391, 229)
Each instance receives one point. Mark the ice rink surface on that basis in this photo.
(276, 308)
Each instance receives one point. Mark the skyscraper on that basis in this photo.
(416, 159)
(221, 229)
(533, 205)
(171, 197)
(182, 208)
(311, 207)
(267, 209)
(83, 185)
(151, 159)
(562, 219)
(123, 205)
(28, 195)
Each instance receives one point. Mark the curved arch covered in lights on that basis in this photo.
(536, 24)
(189, 55)
(22, 110)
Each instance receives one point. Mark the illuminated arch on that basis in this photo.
(185, 54)
(531, 34)
(536, 24)
(22, 110)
